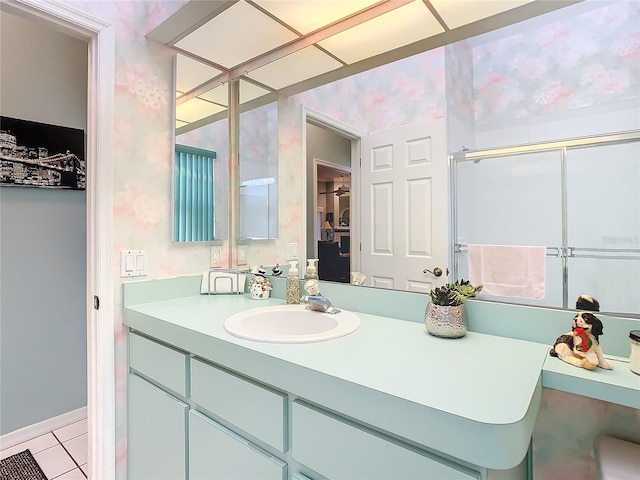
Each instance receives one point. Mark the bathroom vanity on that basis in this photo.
(388, 401)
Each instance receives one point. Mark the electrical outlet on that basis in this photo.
(242, 255)
(215, 257)
(292, 251)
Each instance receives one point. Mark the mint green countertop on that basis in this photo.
(460, 397)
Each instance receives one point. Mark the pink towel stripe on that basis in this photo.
(508, 270)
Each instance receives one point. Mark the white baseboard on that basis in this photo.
(11, 439)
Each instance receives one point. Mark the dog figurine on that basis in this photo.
(585, 302)
(580, 346)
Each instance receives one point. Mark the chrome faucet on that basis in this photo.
(319, 303)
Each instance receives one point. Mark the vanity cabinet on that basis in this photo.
(339, 450)
(252, 407)
(157, 414)
(191, 418)
(156, 432)
(217, 453)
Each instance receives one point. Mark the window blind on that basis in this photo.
(193, 195)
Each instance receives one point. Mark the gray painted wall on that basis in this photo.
(43, 333)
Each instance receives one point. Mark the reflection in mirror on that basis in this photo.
(332, 228)
(258, 172)
(580, 199)
(214, 136)
(487, 102)
(194, 195)
(328, 156)
(201, 129)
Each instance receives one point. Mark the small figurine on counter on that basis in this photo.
(262, 271)
(259, 287)
(585, 302)
(580, 346)
(357, 278)
(275, 271)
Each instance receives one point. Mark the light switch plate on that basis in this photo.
(133, 263)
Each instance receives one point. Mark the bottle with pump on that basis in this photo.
(311, 274)
(293, 284)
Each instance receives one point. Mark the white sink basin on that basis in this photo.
(290, 324)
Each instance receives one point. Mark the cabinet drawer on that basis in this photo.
(299, 476)
(339, 450)
(159, 362)
(257, 410)
(216, 453)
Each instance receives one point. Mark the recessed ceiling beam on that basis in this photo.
(515, 15)
(203, 88)
(259, 84)
(187, 19)
(435, 13)
(216, 117)
(317, 36)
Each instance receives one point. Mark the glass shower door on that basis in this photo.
(513, 199)
(603, 224)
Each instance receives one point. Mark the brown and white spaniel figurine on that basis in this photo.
(580, 346)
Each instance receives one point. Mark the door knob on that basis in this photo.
(435, 272)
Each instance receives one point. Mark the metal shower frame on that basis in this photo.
(564, 251)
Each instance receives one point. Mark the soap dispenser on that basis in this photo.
(311, 274)
(293, 284)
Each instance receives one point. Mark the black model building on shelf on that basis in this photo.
(34, 154)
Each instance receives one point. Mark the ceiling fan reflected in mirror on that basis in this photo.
(341, 190)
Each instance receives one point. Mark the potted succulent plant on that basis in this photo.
(444, 315)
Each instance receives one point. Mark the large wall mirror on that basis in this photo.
(523, 183)
(528, 77)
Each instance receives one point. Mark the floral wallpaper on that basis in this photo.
(589, 60)
(142, 160)
(580, 61)
(459, 79)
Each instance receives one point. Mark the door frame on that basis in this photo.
(100, 38)
(354, 134)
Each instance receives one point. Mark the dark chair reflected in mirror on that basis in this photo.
(345, 244)
(332, 265)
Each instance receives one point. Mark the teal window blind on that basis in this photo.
(193, 195)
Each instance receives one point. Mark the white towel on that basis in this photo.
(508, 270)
(222, 285)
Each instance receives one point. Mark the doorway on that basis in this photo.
(332, 184)
(100, 39)
(331, 152)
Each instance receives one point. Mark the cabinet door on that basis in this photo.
(157, 426)
(341, 451)
(216, 453)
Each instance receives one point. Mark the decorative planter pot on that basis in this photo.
(445, 321)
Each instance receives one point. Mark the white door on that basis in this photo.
(403, 214)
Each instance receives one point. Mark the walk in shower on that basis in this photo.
(580, 198)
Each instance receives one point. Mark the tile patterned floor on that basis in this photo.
(62, 454)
